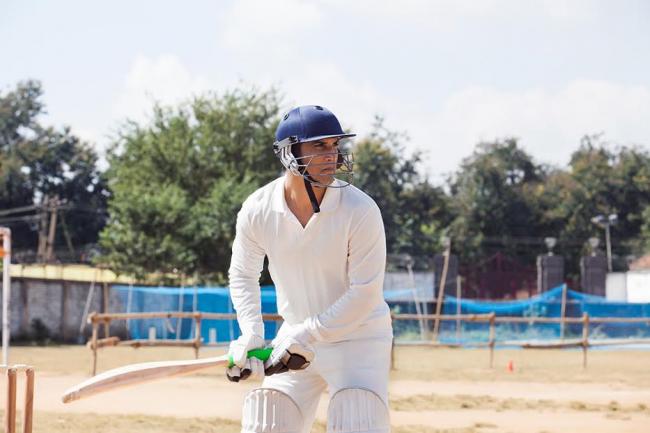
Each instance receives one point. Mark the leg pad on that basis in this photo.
(355, 410)
(268, 410)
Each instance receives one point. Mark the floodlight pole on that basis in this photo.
(5, 233)
(606, 222)
(609, 247)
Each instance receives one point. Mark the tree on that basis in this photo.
(37, 162)
(601, 180)
(414, 211)
(179, 180)
(491, 200)
(645, 231)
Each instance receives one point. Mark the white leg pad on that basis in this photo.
(268, 410)
(355, 410)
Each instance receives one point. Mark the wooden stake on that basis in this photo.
(28, 411)
(458, 297)
(585, 338)
(441, 291)
(107, 324)
(197, 336)
(492, 338)
(563, 312)
(10, 413)
(94, 345)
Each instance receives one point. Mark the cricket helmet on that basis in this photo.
(310, 123)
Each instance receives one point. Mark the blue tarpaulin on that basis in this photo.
(548, 304)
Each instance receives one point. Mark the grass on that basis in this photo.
(629, 367)
(444, 402)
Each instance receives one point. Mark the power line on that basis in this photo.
(19, 209)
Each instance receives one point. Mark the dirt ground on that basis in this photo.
(431, 390)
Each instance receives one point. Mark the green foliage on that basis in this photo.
(414, 211)
(603, 181)
(504, 201)
(178, 182)
(645, 230)
(492, 202)
(38, 161)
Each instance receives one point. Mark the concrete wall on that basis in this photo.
(59, 305)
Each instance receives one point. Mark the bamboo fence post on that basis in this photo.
(94, 342)
(458, 295)
(492, 338)
(563, 311)
(197, 335)
(106, 299)
(585, 339)
(441, 290)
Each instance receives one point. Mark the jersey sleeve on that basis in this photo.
(366, 267)
(246, 266)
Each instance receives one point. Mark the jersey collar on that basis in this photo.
(330, 201)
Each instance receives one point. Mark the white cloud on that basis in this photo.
(163, 79)
(355, 103)
(263, 25)
(549, 123)
(435, 13)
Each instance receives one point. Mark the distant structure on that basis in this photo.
(593, 274)
(550, 272)
(550, 268)
(641, 264)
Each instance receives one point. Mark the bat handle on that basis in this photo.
(261, 354)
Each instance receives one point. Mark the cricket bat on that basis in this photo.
(147, 371)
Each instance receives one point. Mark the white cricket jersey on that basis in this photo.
(328, 275)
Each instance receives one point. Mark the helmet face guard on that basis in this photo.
(306, 165)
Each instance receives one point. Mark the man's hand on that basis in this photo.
(244, 367)
(291, 351)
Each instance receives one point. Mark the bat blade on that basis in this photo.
(139, 373)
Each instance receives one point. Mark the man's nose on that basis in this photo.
(330, 156)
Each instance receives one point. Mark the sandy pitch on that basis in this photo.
(431, 390)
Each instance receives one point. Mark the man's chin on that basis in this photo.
(324, 179)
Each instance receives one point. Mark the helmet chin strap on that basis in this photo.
(312, 196)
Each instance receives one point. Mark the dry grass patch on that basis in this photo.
(433, 402)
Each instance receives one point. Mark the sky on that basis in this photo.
(449, 73)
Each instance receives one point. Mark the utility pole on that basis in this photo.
(42, 230)
(5, 254)
(54, 207)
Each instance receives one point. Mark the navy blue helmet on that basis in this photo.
(309, 123)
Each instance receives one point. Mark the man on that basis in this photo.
(326, 248)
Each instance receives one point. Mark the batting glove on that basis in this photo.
(292, 350)
(245, 367)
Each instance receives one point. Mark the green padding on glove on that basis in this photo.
(261, 354)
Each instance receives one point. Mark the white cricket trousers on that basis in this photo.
(347, 364)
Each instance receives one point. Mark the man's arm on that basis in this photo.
(244, 274)
(366, 267)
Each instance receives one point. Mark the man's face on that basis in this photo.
(321, 158)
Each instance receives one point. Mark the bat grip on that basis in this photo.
(261, 354)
